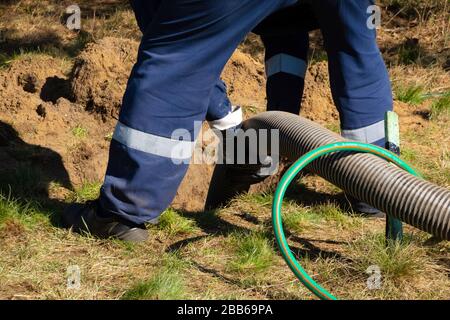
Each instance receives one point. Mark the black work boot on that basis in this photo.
(84, 218)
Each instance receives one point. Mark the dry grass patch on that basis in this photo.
(167, 284)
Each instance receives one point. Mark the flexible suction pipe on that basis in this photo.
(366, 177)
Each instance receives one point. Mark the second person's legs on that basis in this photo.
(286, 64)
(359, 78)
(286, 42)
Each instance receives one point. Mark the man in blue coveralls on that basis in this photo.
(176, 84)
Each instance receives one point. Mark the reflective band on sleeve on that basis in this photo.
(231, 120)
(152, 144)
(287, 64)
(369, 134)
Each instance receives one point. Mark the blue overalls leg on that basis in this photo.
(285, 35)
(219, 106)
(182, 54)
(359, 79)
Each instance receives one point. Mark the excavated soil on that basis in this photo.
(65, 113)
(100, 75)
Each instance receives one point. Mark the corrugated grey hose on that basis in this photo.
(366, 177)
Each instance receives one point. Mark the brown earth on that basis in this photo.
(100, 75)
(317, 102)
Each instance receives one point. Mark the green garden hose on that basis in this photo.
(299, 165)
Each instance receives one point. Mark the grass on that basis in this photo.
(334, 126)
(109, 137)
(173, 224)
(409, 155)
(409, 54)
(86, 192)
(395, 260)
(441, 107)
(422, 152)
(167, 284)
(318, 56)
(5, 60)
(412, 94)
(259, 199)
(299, 221)
(253, 253)
(332, 213)
(79, 132)
(23, 215)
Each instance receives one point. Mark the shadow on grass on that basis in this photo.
(311, 251)
(307, 197)
(48, 41)
(238, 283)
(51, 40)
(213, 225)
(28, 171)
(209, 223)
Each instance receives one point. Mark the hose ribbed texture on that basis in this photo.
(366, 177)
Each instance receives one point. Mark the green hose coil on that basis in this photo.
(298, 166)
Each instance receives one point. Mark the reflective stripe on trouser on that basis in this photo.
(374, 134)
(183, 51)
(286, 64)
(286, 41)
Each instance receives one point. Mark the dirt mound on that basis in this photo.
(41, 122)
(317, 101)
(31, 80)
(245, 80)
(100, 74)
